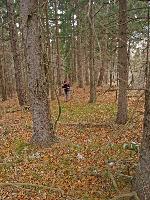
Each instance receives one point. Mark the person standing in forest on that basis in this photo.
(66, 87)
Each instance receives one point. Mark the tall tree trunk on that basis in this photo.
(2, 82)
(42, 127)
(87, 80)
(111, 72)
(122, 64)
(2, 70)
(58, 49)
(74, 68)
(104, 63)
(142, 181)
(20, 87)
(101, 75)
(50, 67)
(91, 56)
(79, 64)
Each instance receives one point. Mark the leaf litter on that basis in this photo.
(77, 166)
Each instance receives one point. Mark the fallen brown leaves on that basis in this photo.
(77, 166)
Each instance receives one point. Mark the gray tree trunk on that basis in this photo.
(86, 67)
(20, 87)
(42, 127)
(2, 82)
(2, 70)
(79, 64)
(50, 67)
(142, 180)
(58, 49)
(122, 64)
(74, 68)
(104, 63)
(91, 56)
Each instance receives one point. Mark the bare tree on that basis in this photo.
(58, 49)
(104, 62)
(79, 64)
(91, 56)
(50, 67)
(142, 180)
(20, 87)
(122, 64)
(2, 82)
(74, 67)
(42, 127)
(87, 80)
(2, 70)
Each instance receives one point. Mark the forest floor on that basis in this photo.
(93, 159)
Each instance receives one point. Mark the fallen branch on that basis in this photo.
(125, 176)
(112, 178)
(32, 185)
(131, 194)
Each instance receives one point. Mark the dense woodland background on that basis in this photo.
(90, 147)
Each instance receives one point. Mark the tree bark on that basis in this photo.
(87, 79)
(104, 63)
(42, 127)
(142, 179)
(2, 82)
(101, 75)
(91, 56)
(2, 70)
(122, 64)
(20, 87)
(74, 68)
(58, 49)
(50, 67)
(79, 64)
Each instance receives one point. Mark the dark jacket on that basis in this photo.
(66, 87)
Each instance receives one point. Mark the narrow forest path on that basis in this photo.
(83, 164)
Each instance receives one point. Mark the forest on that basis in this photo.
(74, 100)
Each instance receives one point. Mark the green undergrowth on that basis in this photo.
(85, 112)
